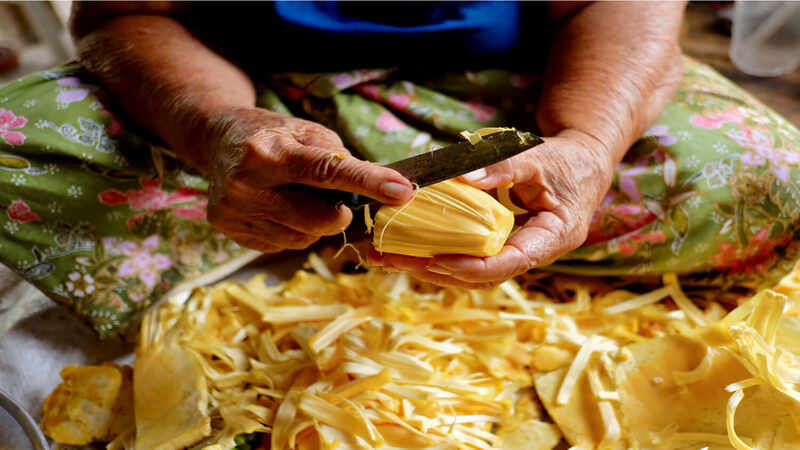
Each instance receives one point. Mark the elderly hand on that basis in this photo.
(561, 182)
(611, 70)
(260, 161)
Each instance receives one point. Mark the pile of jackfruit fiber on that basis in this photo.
(377, 360)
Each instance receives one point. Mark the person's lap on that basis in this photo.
(101, 218)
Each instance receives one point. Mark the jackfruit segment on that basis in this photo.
(445, 218)
(82, 408)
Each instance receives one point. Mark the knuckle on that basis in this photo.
(326, 169)
(311, 132)
(504, 178)
(264, 149)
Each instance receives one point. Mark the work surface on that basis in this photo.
(46, 337)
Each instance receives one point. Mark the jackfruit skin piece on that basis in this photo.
(445, 218)
(171, 398)
(80, 410)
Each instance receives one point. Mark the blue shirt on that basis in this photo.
(328, 36)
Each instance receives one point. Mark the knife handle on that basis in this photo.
(349, 199)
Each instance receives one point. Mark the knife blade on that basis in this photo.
(451, 161)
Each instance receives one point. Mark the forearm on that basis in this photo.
(168, 81)
(611, 69)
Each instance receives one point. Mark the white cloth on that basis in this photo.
(38, 338)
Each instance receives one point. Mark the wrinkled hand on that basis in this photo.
(561, 182)
(259, 162)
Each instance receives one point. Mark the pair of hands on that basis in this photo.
(264, 162)
(611, 67)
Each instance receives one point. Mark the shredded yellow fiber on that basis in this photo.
(341, 361)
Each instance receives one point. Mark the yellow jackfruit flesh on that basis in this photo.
(80, 410)
(171, 396)
(445, 218)
(330, 360)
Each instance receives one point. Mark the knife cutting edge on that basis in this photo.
(452, 161)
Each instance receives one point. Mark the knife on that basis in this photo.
(450, 161)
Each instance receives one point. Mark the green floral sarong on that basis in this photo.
(101, 218)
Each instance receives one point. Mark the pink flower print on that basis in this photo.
(293, 93)
(72, 95)
(143, 261)
(69, 81)
(627, 209)
(399, 101)
(185, 202)
(655, 237)
(764, 153)
(184, 194)
(343, 80)
(115, 126)
(196, 211)
(388, 122)
(9, 121)
(630, 243)
(370, 91)
(150, 197)
(787, 156)
(115, 300)
(628, 185)
(752, 159)
(112, 197)
(782, 172)
(667, 140)
(656, 130)
(660, 131)
(610, 221)
(752, 139)
(754, 258)
(630, 188)
(715, 120)
(482, 112)
(627, 248)
(20, 212)
(523, 80)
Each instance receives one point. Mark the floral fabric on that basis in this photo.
(101, 218)
(710, 191)
(89, 215)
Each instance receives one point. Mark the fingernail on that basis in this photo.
(476, 175)
(394, 190)
(438, 269)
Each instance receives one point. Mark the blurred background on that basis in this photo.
(33, 36)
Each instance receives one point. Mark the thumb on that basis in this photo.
(496, 175)
(516, 169)
(323, 168)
